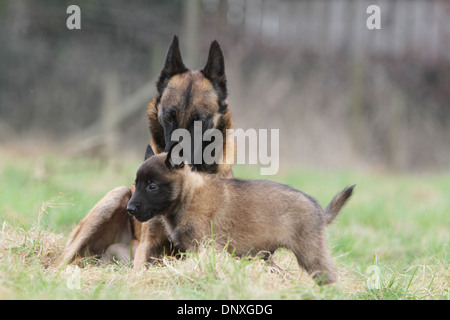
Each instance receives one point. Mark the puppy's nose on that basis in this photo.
(131, 208)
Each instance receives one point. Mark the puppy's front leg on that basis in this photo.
(154, 244)
(142, 256)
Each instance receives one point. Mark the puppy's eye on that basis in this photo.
(152, 186)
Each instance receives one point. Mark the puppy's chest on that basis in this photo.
(180, 234)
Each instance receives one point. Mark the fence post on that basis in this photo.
(108, 115)
(192, 31)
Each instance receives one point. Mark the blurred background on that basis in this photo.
(342, 95)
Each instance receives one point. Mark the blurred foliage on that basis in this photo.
(342, 95)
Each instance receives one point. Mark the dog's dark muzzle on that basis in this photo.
(138, 212)
(133, 208)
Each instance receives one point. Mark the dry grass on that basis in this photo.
(205, 274)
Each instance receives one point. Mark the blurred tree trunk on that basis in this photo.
(109, 114)
(357, 117)
(191, 33)
(394, 157)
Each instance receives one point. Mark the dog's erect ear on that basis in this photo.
(148, 152)
(173, 65)
(214, 70)
(173, 161)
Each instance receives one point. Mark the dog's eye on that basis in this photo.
(152, 186)
(169, 116)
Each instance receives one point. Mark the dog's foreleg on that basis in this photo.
(106, 223)
(154, 244)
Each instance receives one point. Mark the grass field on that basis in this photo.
(390, 242)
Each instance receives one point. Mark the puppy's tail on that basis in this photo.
(333, 208)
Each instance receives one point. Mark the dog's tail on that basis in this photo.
(333, 208)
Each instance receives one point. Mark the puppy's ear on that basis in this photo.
(214, 70)
(173, 160)
(148, 152)
(173, 65)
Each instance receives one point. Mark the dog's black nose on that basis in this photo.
(131, 209)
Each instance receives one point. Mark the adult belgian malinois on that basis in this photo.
(246, 216)
(183, 97)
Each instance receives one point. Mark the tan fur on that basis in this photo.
(87, 239)
(204, 101)
(249, 217)
(107, 229)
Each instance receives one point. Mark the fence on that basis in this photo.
(418, 27)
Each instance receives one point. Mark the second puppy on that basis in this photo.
(248, 216)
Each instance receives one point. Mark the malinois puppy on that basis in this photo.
(246, 216)
(183, 96)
